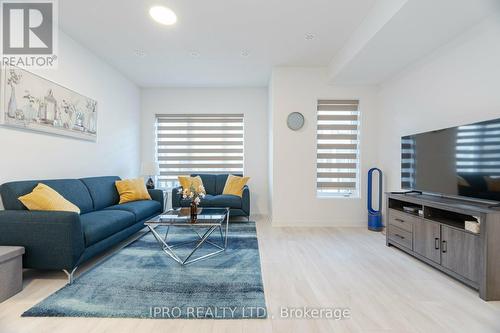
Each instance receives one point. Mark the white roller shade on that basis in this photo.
(337, 148)
(208, 143)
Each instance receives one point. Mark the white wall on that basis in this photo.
(293, 193)
(252, 102)
(456, 85)
(29, 155)
(270, 150)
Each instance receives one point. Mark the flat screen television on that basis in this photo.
(462, 161)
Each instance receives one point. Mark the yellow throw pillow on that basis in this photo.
(44, 197)
(234, 185)
(186, 182)
(132, 190)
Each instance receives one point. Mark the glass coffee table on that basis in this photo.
(209, 220)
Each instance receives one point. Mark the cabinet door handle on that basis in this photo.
(445, 247)
(399, 220)
(398, 235)
(436, 243)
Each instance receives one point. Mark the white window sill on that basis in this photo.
(334, 197)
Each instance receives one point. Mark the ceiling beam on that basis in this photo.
(397, 33)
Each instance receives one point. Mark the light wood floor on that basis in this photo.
(385, 290)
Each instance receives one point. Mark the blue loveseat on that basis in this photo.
(214, 185)
(64, 240)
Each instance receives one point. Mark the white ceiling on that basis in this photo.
(216, 31)
(413, 30)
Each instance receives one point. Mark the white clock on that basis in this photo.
(295, 121)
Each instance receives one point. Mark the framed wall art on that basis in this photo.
(31, 102)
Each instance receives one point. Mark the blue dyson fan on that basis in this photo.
(374, 215)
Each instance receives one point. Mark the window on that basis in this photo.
(337, 157)
(198, 144)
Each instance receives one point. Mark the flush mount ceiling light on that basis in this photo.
(309, 36)
(245, 53)
(163, 15)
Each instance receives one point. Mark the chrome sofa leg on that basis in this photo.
(70, 275)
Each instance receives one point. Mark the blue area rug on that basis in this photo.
(141, 281)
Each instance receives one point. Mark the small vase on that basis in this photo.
(29, 112)
(12, 107)
(194, 212)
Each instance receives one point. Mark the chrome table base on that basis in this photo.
(202, 239)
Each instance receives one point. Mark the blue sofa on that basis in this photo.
(214, 185)
(64, 240)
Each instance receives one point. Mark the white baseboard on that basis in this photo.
(319, 224)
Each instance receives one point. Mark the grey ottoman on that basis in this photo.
(11, 271)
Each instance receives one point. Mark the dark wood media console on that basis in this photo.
(438, 237)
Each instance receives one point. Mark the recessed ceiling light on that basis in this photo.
(310, 36)
(163, 15)
(245, 53)
(194, 54)
(139, 53)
